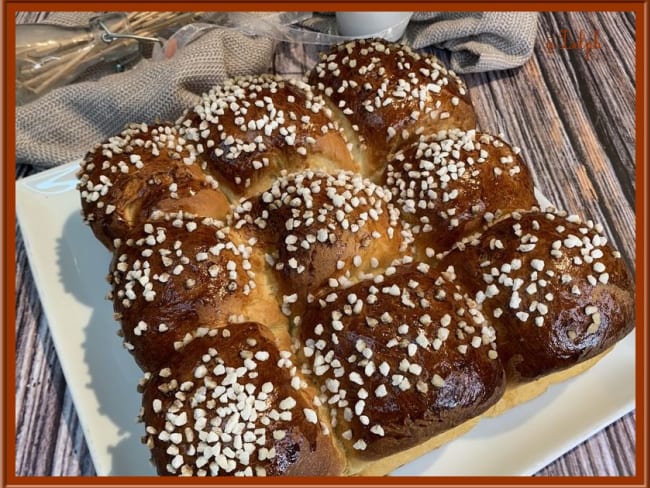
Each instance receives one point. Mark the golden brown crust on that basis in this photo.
(232, 403)
(175, 279)
(129, 178)
(556, 292)
(390, 94)
(450, 185)
(251, 128)
(400, 358)
(378, 341)
(514, 395)
(321, 227)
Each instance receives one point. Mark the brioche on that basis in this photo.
(320, 228)
(399, 358)
(558, 294)
(250, 129)
(175, 279)
(140, 172)
(332, 276)
(387, 94)
(237, 389)
(446, 183)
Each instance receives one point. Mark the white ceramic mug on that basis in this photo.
(390, 25)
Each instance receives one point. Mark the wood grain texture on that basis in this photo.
(573, 119)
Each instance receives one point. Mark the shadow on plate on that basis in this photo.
(83, 267)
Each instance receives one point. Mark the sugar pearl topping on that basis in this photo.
(365, 68)
(550, 256)
(395, 348)
(143, 163)
(370, 79)
(312, 210)
(138, 279)
(229, 413)
(438, 175)
(239, 122)
(125, 154)
(176, 257)
(350, 201)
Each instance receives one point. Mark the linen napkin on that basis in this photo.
(478, 41)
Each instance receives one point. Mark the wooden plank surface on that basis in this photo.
(573, 117)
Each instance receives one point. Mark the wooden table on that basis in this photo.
(585, 107)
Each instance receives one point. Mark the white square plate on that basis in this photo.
(70, 266)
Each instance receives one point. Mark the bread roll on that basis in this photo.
(557, 293)
(144, 171)
(250, 129)
(386, 94)
(319, 227)
(399, 359)
(446, 185)
(233, 403)
(177, 278)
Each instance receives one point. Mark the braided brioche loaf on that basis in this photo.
(319, 278)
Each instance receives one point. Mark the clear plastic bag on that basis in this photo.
(293, 27)
(48, 56)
